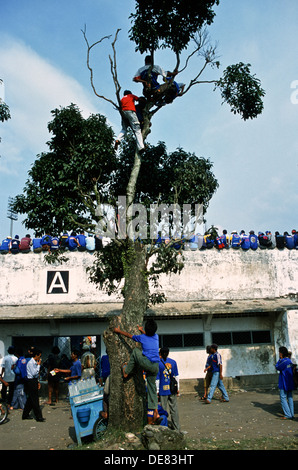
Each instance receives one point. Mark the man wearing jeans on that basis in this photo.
(216, 380)
(286, 383)
(130, 119)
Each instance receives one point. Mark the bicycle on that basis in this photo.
(3, 412)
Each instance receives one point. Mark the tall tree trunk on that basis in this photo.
(127, 399)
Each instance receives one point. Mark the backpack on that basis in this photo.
(154, 83)
(173, 381)
(15, 245)
(21, 367)
(220, 243)
(245, 243)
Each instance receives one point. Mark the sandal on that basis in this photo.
(203, 398)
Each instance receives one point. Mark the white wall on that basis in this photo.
(207, 275)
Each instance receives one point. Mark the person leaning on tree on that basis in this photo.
(147, 359)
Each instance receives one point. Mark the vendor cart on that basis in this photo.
(86, 400)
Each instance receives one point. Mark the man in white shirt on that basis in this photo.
(32, 386)
(8, 375)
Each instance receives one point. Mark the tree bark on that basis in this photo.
(127, 401)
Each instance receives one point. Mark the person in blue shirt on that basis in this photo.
(235, 240)
(208, 370)
(289, 241)
(245, 242)
(82, 241)
(5, 246)
(253, 240)
(217, 377)
(286, 382)
(55, 243)
(15, 245)
(75, 370)
(295, 237)
(46, 242)
(36, 244)
(147, 360)
(167, 367)
(73, 242)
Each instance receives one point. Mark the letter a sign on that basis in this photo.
(57, 282)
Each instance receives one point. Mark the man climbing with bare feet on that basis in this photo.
(147, 359)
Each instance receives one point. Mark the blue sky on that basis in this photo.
(43, 65)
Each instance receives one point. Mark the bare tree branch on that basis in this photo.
(113, 63)
(89, 47)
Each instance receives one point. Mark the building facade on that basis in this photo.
(246, 302)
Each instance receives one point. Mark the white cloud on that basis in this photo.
(33, 88)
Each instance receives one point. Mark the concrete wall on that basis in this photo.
(208, 275)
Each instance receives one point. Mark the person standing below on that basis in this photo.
(52, 363)
(286, 382)
(75, 370)
(19, 396)
(147, 359)
(8, 375)
(88, 362)
(208, 376)
(217, 377)
(168, 367)
(32, 387)
(130, 118)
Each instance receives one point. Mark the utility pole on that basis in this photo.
(11, 214)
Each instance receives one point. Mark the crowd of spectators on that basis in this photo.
(211, 239)
(50, 243)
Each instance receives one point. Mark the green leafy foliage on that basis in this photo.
(107, 271)
(169, 24)
(60, 193)
(242, 91)
(176, 177)
(4, 112)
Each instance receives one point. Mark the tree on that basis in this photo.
(68, 182)
(173, 26)
(132, 264)
(63, 191)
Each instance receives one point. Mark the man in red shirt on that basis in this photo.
(129, 118)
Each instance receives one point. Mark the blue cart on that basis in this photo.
(86, 400)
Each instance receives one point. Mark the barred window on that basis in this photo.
(242, 337)
(186, 340)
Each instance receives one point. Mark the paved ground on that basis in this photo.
(248, 415)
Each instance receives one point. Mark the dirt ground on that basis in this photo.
(249, 416)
